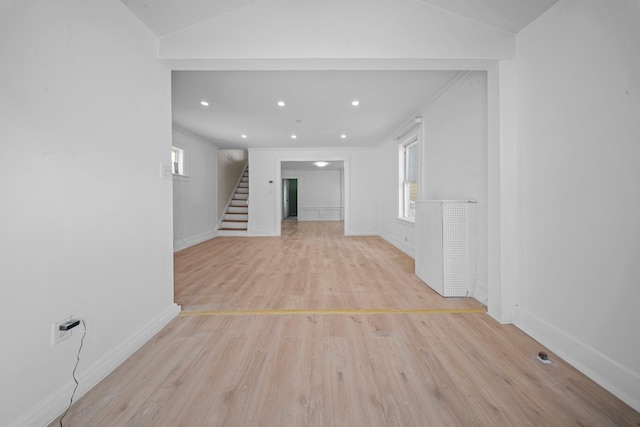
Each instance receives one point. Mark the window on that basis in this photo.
(409, 166)
(177, 161)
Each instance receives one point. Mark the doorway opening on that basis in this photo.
(290, 199)
(313, 190)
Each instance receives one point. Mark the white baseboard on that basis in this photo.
(49, 408)
(608, 373)
(480, 293)
(403, 246)
(186, 242)
(301, 219)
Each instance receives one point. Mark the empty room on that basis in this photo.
(349, 213)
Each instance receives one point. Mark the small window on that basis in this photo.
(177, 161)
(409, 166)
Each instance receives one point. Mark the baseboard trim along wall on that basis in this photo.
(187, 242)
(477, 291)
(45, 411)
(403, 246)
(614, 377)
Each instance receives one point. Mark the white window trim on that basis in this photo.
(182, 176)
(409, 138)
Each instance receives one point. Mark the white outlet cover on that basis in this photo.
(57, 336)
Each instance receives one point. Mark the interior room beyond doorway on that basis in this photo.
(313, 190)
(290, 199)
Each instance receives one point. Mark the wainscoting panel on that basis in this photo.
(320, 213)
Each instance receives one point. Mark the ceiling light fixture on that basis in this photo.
(321, 164)
(281, 104)
(243, 136)
(204, 103)
(355, 103)
(343, 136)
(293, 136)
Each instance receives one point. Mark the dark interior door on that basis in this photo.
(293, 197)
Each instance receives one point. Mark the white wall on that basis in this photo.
(578, 144)
(398, 232)
(85, 123)
(319, 193)
(361, 214)
(454, 164)
(231, 163)
(455, 157)
(195, 210)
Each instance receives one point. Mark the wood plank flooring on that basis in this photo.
(312, 266)
(306, 369)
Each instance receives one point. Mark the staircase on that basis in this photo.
(236, 216)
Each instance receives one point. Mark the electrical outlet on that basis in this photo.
(57, 335)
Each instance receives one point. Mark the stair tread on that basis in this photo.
(236, 216)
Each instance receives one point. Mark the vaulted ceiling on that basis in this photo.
(243, 110)
(168, 16)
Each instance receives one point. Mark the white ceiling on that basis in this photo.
(168, 16)
(318, 105)
(508, 15)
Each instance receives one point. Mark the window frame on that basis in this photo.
(181, 161)
(404, 191)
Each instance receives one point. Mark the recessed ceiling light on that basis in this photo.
(204, 103)
(293, 136)
(321, 164)
(343, 136)
(243, 136)
(355, 103)
(281, 104)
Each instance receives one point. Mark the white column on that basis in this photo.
(503, 245)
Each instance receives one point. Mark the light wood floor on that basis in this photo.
(312, 265)
(207, 368)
